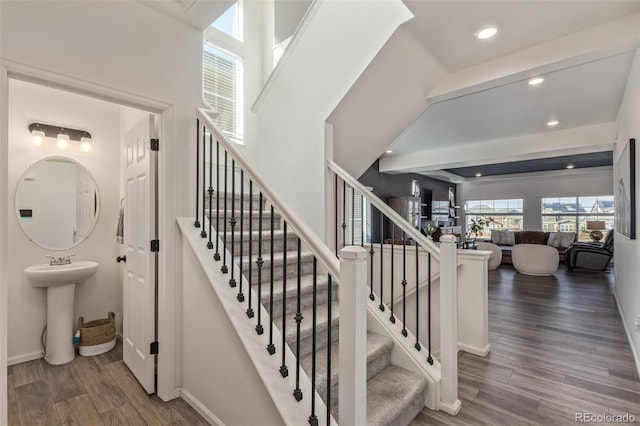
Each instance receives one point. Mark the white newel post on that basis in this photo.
(352, 387)
(449, 401)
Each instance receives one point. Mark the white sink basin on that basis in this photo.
(45, 275)
(60, 282)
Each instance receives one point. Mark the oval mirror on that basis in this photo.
(57, 203)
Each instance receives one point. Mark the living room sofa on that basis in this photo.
(506, 240)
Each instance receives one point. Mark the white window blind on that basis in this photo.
(220, 85)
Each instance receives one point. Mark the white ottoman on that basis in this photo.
(535, 259)
(495, 259)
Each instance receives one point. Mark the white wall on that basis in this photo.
(318, 68)
(129, 52)
(385, 100)
(103, 292)
(627, 286)
(533, 188)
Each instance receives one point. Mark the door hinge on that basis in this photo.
(155, 245)
(155, 144)
(153, 348)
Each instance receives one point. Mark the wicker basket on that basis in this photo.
(97, 332)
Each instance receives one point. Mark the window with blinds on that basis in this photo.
(221, 79)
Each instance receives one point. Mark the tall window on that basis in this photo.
(571, 214)
(502, 214)
(222, 72)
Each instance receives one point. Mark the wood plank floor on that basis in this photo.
(88, 391)
(558, 348)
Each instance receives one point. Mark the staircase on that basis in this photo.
(395, 396)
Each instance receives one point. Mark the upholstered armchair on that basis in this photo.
(595, 256)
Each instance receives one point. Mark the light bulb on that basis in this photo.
(85, 143)
(63, 139)
(37, 136)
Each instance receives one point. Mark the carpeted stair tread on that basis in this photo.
(395, 396)
(306, 327)
(378, 357)
(306, 293)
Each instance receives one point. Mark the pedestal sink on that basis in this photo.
(60, 282)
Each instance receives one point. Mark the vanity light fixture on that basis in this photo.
(487, 32)
(85, 142)
(37, 135)
(63, 135)
(535, 81)
(63, 139)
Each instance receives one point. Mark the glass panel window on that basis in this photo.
(229, 22)
(580, 215)
(221, 85)
(503, 214)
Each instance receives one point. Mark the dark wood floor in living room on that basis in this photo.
(558, 348)
(88, 391)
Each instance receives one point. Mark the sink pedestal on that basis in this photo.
(60, 281)
(60, 326)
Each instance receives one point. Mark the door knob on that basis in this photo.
(121, 259)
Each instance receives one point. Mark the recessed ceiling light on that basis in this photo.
(486, 32)
(478, 174)
(536, 81)
(552, 123)
(389, 151)
(570, 166)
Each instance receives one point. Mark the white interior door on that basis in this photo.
(140, 268)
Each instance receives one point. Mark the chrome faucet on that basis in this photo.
(60, 260)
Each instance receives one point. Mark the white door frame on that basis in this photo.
(168, 178)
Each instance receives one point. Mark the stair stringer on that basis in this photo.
(267, 367)
(404, 353)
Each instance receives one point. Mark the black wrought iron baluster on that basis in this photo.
(392, 318)
(210, 243)
(336, 211)
(271, 348)
(224, 268)
(203, 233)
(362, 221)
(249, 280)
(353, 215)
(381, 306)
(404, 284)
(417, 345)
(216, 256)
(284, 371)
(240, 295)
(371, 253)
(329, 339)
(344, 213)
(313, 419)
(232, 222)
(429, 358)
(297, 392)
(259, 262)
(196, 223)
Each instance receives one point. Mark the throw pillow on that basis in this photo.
(496, 237)
(507, 238)
(561, 239)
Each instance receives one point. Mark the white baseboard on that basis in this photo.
(19, 359)
(475, 351)
(453, 409)
(200, 408)
(628, 333)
